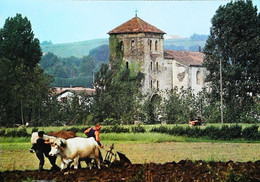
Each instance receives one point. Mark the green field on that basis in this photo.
(139, 148)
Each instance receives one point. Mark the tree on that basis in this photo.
(18, 42)
(48, 60)
(116, 95)
(23, 85)
(235, 40)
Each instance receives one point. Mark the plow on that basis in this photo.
(114, 157)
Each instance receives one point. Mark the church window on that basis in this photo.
(157, 66)
(156, 45)
(151, 42)
(157, 84)
(151, 84)
(121, 45)
(151, 65)
(198, 77)
(127, 65)
(132, 44)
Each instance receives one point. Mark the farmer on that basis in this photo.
(43, 148)
(94, 132)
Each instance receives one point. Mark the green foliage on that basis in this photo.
(111, 121)
(101, 53)
(160, 129)
(17, 133)
(138, 129)
(251, 133)
(214, 133)
(18, 43)
(116, 96)
(180, 107)
(70, 71)
(115, 129)
(235, 40)
(2, 132)
(23, 85)
(34, 130)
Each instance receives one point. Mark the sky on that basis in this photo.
(64, 21)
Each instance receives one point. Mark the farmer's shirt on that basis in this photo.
(42, 146)
(91, 133)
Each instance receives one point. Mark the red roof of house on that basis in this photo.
(61, 90)
(186, 57)
(135, 25)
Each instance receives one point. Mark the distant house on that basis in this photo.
(67, 94)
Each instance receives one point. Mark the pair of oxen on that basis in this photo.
(70, 148)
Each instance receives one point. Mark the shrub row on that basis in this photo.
(14, 133)
(108, 129)
(216, 133)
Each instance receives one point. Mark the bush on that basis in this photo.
(193, 132)
(250, 133)
(160, 129)
(212, 132)
(177, 130)
(115, 129)
(2, 132)
(138, 129)
(235, 131)
(17, 133)
(224, 133)
(34, 130)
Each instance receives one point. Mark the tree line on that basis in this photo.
(74, 71)
(26, 94)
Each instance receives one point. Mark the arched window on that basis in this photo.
(151, 84)
(157, 66)
(198, 77)
(121, 45)
(127, 65)
(151, 66)
(151, 42)
(157, 84)
(132, 44)
(156, 45)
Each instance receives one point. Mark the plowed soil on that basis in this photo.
(184, 170)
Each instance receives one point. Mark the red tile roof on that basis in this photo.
(61, 90)
(136, 25)
(188, 58)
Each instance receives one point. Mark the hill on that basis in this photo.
(80, 49)
(77, 49)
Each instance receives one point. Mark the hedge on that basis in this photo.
(224, 132)
(214, 133)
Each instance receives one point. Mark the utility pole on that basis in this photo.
(221, 90)
(93, 77)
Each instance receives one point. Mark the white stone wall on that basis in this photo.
(197, 78)
(180, 75)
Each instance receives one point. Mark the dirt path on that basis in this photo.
(184, 170)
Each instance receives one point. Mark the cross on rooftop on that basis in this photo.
(136, 12)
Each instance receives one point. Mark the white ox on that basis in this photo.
(74, 148)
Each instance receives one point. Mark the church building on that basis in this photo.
(140, 47)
